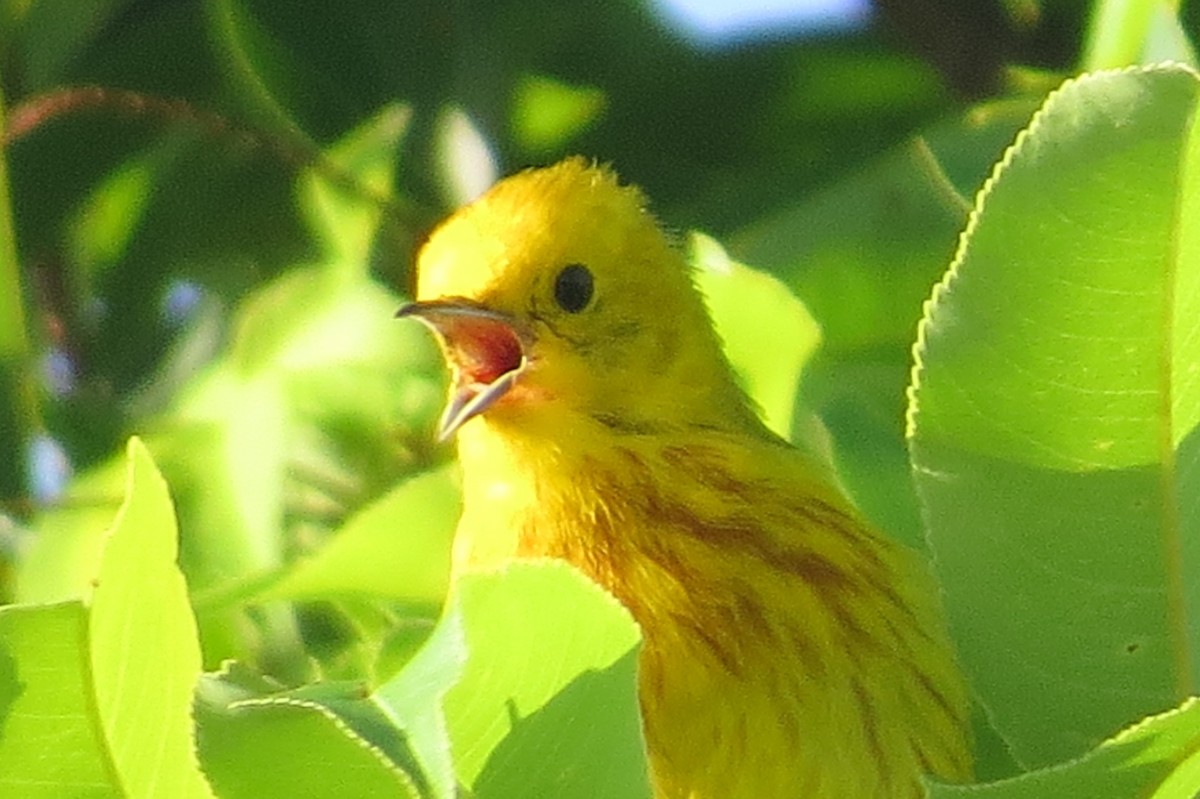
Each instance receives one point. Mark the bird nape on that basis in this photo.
(790, 650)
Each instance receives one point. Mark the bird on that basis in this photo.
(789, 649)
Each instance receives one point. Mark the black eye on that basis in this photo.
(573, 288)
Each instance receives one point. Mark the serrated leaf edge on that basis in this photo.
(942, 288)
(1116, 740)
(557, 564)
(338, 724)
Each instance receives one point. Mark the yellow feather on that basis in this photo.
(790, 651)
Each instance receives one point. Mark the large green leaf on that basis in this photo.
(1054, 412)
(97, 698)
(547, 705)
(256, 741)
(145, 657)
(543, 701)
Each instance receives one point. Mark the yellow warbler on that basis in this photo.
(790, 651)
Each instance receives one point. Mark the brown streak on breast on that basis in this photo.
(704, 464)
(727, 655)
(939, 698)
(867, 713)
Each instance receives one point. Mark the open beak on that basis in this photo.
(485, 350)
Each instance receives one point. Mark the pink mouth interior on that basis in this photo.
(484, 350)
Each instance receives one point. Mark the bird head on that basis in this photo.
(557, 289)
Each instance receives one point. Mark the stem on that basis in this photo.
(20, 416)
(13, 341)
(927, 161)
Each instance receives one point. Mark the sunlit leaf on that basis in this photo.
(48, 725)
(1054, 417)
(255, 742)
(398, 547)
(1156, 757)
(767, 332)
(547, 703)
(110, 675)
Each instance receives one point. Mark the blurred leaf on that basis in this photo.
(343, 193)
(311, 347)
(226, 456)
(466, 160)
(767, 348)
(112, 672)
(69, 537)
(108, 218)
(20, 404)
(862, 255)
(320, 384)
(258, 66)
(318, 368)
(1122, 33)
(548, 113)
(397, 547)
(1156, 757)
(314, 318)
(838, 104)
(1054, 413)
(1167, 40)
(56, 32)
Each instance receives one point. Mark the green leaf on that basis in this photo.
(1126, 32)
(547, 704)
(343, 194)
(107, 220)
(48, 739)
(145, 654)
(414, 700)
(105, 684)
(313, 317)
(255, 742)
(1054, 411)
(397, 547)
(55, 33)
(548, 113)
(862, 253)
(67, 540)
(314, 349)
(226, 455)
(529, 685)
(1156, 757)
(768, 347)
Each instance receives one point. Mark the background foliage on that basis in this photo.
(207, 217)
